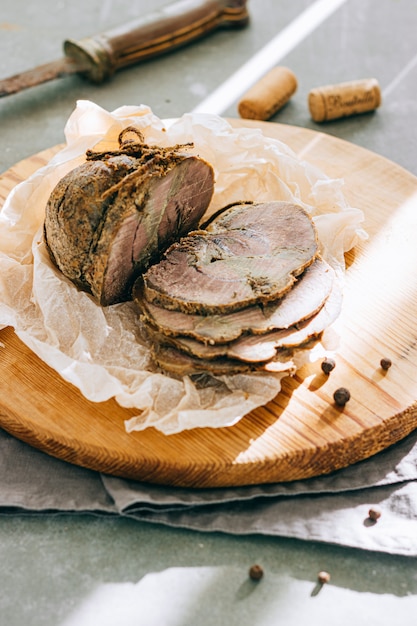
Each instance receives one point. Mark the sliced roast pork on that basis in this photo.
(110, 218)
(249, 254)
(301, 302)
(262, 348)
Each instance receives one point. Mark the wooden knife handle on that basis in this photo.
(166, 29)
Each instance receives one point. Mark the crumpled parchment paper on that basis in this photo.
(100, 350)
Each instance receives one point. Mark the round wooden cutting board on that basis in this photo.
(301, 433)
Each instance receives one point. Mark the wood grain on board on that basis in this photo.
(301, 433)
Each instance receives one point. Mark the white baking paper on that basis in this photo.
(100, 350)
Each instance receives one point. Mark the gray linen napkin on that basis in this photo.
(33, 481)
(332, 509)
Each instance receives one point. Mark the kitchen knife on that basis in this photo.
(100, 56)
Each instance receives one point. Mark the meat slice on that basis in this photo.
(267, 346)
(181, 364)
(263, 348)
(110, 218)
(301, 302)
(249, 254)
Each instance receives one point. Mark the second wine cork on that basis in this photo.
(268, 95)
(344, 99)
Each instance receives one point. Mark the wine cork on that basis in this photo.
(268, 95)
(331, 102)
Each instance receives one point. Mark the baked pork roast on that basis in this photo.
(111, 217)
(246, 291)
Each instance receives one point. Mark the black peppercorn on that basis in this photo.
(256, 572)
(328, 365)
(341, 396)
(385, 363)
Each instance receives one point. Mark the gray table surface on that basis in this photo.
(74, 569)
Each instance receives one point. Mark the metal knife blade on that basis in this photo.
(98, 57)
(38, 75)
